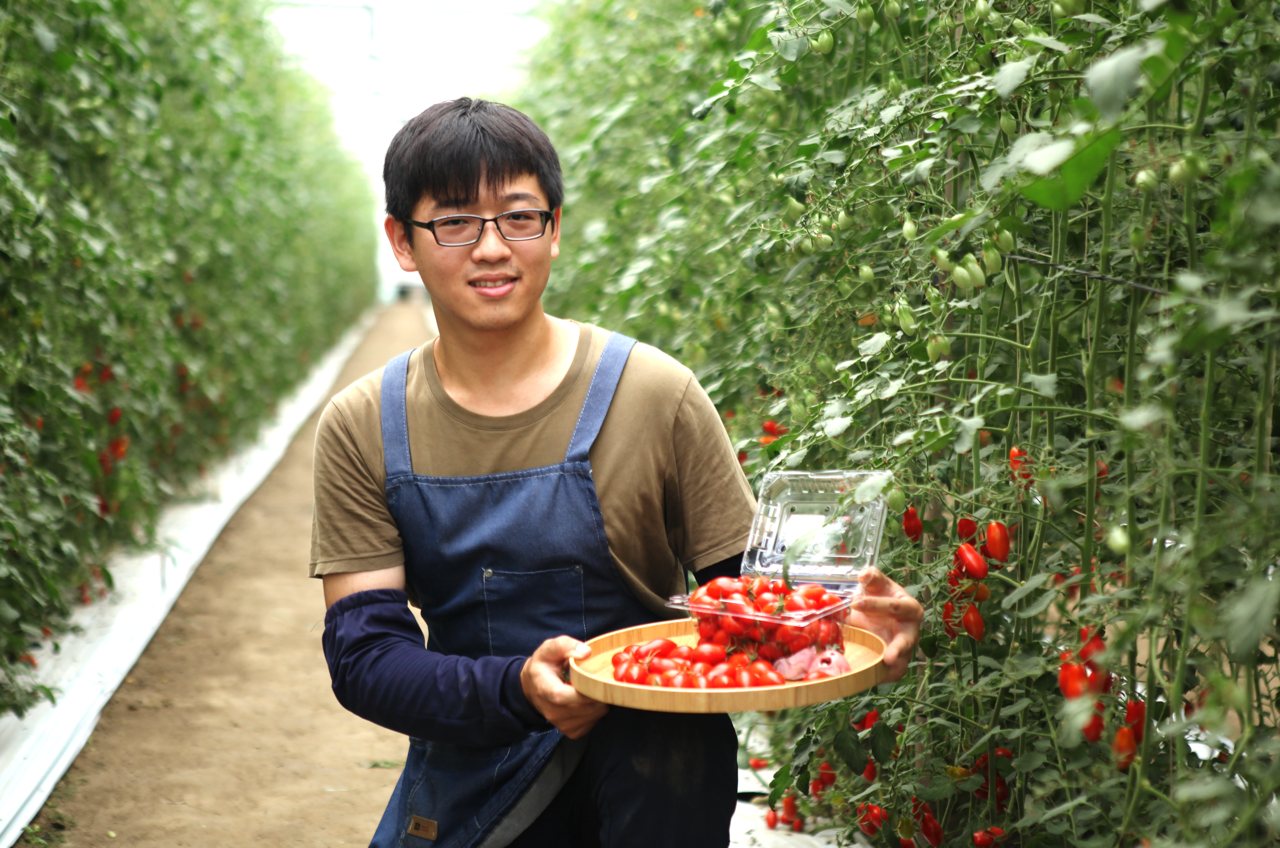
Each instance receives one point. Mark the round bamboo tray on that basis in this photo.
(593, 676)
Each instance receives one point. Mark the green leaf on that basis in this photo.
(833, 427)
(1076, 174)
(873, 344)
(850, 750)
(1112, 81)
(1010, 76)
(1249, 616)
(1034, 582)
(883, 739)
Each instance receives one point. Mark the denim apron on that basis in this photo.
(498, 563)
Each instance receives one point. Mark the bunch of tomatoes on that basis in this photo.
(745, 625)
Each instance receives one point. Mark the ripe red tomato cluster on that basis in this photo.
(662, 662)
(743, 628)
(750, 614)
(973, 565)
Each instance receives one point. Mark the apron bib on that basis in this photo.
(498, 563)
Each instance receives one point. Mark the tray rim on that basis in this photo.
(757, 699)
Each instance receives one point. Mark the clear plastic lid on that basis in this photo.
(818, 526)
(786, 618)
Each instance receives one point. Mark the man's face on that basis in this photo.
(493, 284)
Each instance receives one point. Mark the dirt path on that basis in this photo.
(225, 732)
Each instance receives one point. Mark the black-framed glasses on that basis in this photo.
(462, 230)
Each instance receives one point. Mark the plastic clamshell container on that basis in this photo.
(817, 527)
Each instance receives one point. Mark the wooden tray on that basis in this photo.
(593, 676)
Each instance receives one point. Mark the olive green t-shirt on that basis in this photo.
(672, 493)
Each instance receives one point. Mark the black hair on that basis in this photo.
(448, 150)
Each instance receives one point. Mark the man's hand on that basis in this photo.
(543, 681)
(888, 611)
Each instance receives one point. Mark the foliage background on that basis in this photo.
(180, 236)
(919, 236)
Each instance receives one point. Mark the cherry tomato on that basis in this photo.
(1135, 717)
(771, 819)
(708, 652)
(997, 543)
(974, 566)
(1072, 680)
(1124, 747)
(758, 763)
(966, 529)
(912, 526)
(654, 648)
(1094, 726)
(973, 623)
(949, 620)
(983, 839)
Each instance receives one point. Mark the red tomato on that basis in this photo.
(966, 529)
(1094, 726)
(771, 819)
(1124, 746)
(623, 656)
(1135, 717)
(758, 763)
(681, 652)
(949, 619)
(997, 543)
(1018, 461)
(968, 558)
(983, 839)
(720, 680)
(766, 602)
(654, 648)
(912, 526)
(973, 623)
(721, 586)
(708, 653)
(869, 773)
(1072, 680)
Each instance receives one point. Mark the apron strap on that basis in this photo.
(395, 421)
(599, 396)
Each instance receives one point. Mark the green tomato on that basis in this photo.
(865, 274)
(822, 241)
(906, 317)
(1180, 174)
(960, 276)
(792, 209)
(844, 221)
(1118, 540)
(823, 42)
(937, 347)
(895, 501)
(866, 16)
(942, 260)
(975, 271)
(908, 229)
(1004, 241)
(991, 259)
(1146, 180)
(1008, 125)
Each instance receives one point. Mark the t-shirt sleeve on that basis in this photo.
(711, 507)
(351, 528)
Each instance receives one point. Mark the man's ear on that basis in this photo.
(555, 234)
(397, 234)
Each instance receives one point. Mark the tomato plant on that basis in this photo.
(181, 238)
(1024, 257)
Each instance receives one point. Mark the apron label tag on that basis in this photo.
(423, 828)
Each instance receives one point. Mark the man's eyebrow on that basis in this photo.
(511, 197)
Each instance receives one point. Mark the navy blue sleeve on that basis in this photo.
(382, 671)
(731, 567)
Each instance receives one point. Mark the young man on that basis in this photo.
(528, 483)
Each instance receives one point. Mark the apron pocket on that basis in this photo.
(524, 608)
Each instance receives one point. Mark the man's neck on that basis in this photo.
(505, 373)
